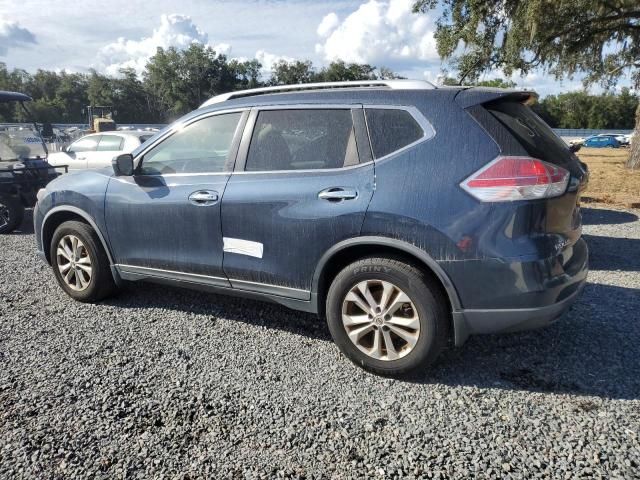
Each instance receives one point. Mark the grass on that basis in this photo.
(610, 181)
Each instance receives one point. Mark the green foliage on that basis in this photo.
(174, 82)
(493, 83)
(287, 73)
(581, 110)
(600, 38)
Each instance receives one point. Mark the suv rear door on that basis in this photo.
(302, 183)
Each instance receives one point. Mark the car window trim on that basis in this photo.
(233, 148)
(243, 152)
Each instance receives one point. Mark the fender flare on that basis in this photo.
(85, 216)
(393, 243)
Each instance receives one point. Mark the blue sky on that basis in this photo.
(79, 35)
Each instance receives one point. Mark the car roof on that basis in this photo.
(122, 133)
(6, 96)
(392, 92)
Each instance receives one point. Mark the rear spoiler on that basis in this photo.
(477, 95)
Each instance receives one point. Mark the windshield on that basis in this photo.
(20, 142)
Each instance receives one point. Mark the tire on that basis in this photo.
(424, 299)
(89, 288)
(11, 214)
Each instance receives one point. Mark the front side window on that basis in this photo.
(86, 144)
(110, 143)
(200, 147)
(302, 140)
(391, 129)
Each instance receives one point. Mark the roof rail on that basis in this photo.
(392, 84)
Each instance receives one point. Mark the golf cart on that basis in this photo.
(23, 162)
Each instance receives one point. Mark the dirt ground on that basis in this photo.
(610, 181)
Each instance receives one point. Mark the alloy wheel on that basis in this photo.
(380, 319)
(74, 263)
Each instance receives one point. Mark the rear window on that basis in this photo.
(391, 129)
(86, 144)
(535, 136)
(110, 143)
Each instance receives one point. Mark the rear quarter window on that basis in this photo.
(391, 129)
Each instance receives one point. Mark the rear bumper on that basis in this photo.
(472, 322)
(538, 301)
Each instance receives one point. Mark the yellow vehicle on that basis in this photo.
(100, 118)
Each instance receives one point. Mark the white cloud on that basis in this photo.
(177, 31)
(268, 59)
(328, 24)
(13, 35)
(379, 32)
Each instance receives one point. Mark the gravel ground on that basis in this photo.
(163, 382)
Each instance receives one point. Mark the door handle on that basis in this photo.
(338, 194)
(202, 198)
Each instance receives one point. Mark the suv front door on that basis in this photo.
(302, 183)
(164, 220)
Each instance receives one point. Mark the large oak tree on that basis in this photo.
(597, 39)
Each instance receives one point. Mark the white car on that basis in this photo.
(96, 150)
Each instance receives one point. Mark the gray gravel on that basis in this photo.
(163, 382)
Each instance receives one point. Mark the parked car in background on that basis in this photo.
(353, 200)
(620, 137)
(98, 149)
(601, 141)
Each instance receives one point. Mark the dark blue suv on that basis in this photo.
(410, 216)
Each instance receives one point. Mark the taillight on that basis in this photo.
(507, 179)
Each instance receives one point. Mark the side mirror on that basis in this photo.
(123, 165)
(575, 147)
(66, 149)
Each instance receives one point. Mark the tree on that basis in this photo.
(597, 38)
(291, 73)
(340, 71)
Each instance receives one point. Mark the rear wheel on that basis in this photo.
(11, 214)
(387, 316)
(80, 264)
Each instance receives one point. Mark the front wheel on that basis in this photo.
(11, 214)
(80, 264)
(387, 316)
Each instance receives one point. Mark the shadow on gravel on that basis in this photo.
(613, 253)
(594, 350)
(265, 314)
(27, 224)
(600, 216)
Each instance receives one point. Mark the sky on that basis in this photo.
(77, 35)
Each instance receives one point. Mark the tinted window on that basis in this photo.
(302, 140)
(391, 130)
(86, 144)
(110, 143)
(532, 132)
(201, 147)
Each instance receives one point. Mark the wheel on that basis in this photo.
(387, 316)
(80, 264)
(11, 214)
